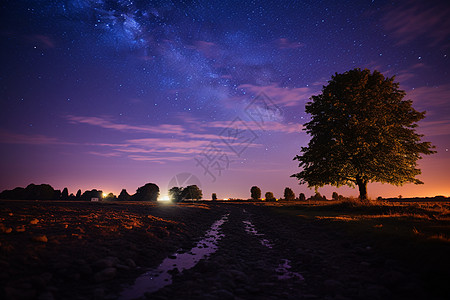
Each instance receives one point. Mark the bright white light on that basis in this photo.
(104, 195)
(164, 198)
(225, 199)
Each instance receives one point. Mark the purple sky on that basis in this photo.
(116, 94)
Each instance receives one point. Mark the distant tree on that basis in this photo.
(255, 193)
(16, 194)
(317, 197)
(65, 194)
(110, 197)
(78, 195)
(192, 192)
(57, 195)
(289, 194)
(335, 196)
(40, 192)
(88, 195)
(362, 131)
(269, 196)
(124, 196)
(214, 197)
(176, 194)
(148, 192)
(72, 196)
(301, 197)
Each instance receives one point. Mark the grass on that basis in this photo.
(418, 234)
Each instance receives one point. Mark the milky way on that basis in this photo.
(114, 94)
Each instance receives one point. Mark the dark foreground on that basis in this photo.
(80, 250)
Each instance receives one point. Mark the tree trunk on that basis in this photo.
(362, 185)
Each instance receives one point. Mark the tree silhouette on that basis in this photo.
(192, 192)
(78, 195)
(124, 196)
(302, 197)
(214, 197)
(88, 195)
(175, 194)
(65, 194)
(255, 193)
(317, 197)
(148, 192)
(335, 196)
(289, 194)
(362, 131)
(110, 197)
(269, 196)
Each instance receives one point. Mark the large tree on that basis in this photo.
(362, 131)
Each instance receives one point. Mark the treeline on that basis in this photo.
(148, 192)
(289, 195)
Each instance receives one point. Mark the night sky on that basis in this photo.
(115, 94)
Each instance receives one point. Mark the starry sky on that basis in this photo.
(115, 94)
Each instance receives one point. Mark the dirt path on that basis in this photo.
(289, 259)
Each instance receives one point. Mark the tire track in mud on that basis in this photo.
(266, 255)
(243, 267)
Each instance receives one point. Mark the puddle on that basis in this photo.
(284, 273)
(250, 228)
(156, 279)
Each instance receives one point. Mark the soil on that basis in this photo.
(84, 250)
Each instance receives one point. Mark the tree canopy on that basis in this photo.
(361, 131)
(192, 192)
(269, 196)
(124, 196)
(175, 194)
(148, 192)
(255, 193)
(289, 195)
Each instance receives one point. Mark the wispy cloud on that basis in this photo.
(105, 123)
(281, 96)
(7, 137)
(431, 96)
(104, 154)
(419, 19)
(268, 126)
(160, 160)
(434, 128)
(284, 43)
